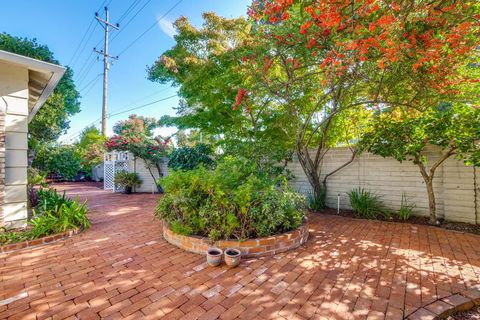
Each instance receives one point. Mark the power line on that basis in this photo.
(150, 27)
(131, 19)
(128, 10)
(76, 134)
(91, 87)
(90, 82)
(83, 38)
(82, 78)
(142, 106)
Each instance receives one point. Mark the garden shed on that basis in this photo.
(25, 85)
(117, 161)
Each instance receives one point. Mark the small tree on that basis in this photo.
(136, 136)
(90, 148)
(455, 128)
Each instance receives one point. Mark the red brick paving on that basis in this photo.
(122, 268)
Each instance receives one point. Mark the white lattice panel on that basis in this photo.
(120, 165)
(108, 175)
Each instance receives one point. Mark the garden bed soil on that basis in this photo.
(473, 314)
(449, 225)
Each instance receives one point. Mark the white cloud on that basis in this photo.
(167, 27)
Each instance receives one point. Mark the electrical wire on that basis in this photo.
(150, 27)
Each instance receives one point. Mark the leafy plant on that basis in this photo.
(406, 208)
(367, 204)
(34, 178)
(234, 200)
(316, 201)
(55, 213)
(62, 160)
(188, 158)
(127, 179)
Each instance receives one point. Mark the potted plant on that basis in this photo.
(232, 257)
(127, 180)
(214, 256)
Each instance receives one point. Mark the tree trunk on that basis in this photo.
(431, 201)
(311, 171)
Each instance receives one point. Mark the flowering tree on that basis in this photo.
(310, 74)
(329, 62)
(136, 136)
(204, 63)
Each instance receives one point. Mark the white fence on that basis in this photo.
(116, 161)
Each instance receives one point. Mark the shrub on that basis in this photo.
(406, 208)
(367, 204)
(34, 178)
(234, 200)
(189, 158)
(61, 160)
(127, 179)
(54, 213)
(316, 202)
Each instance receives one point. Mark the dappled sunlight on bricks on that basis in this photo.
(122, 267)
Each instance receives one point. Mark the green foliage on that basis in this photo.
(367, 204)
(136, 136)
(58, 159)
(406, 208)
(54, 213)
(404, 135)
(316, 202)
(127, 179)
(34, 178)
(188, 158)
(204, 64)
(90, 148)
(52, 120)
(234, 200)
(135, 126)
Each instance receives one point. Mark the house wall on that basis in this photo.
(13, 150)
(455, 187)
(148, 183)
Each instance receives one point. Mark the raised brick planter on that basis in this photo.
(250, 248)
(37, 242)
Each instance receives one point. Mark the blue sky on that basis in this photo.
(61, 24)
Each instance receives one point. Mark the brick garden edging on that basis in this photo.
(444, 307)
(37, 242)
(250, 248)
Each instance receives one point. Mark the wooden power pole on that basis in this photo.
(106, 64)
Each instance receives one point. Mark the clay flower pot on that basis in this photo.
(232, 257)
(214, 256)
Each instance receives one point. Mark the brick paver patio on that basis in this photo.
(349, 269)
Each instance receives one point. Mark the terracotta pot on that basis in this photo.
(214, 256)
(232, 257)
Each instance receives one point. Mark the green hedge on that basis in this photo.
(234, 200)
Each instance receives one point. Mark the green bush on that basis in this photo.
(127, 179)
(62, 160)
(367, 204)
(406, 208)
(189, 158)
(54, 213)
(234, 200)
(316, 203)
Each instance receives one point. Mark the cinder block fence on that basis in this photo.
(456, 185)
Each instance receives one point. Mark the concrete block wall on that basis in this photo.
(455, 188)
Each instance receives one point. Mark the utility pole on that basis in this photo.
(106, 64)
